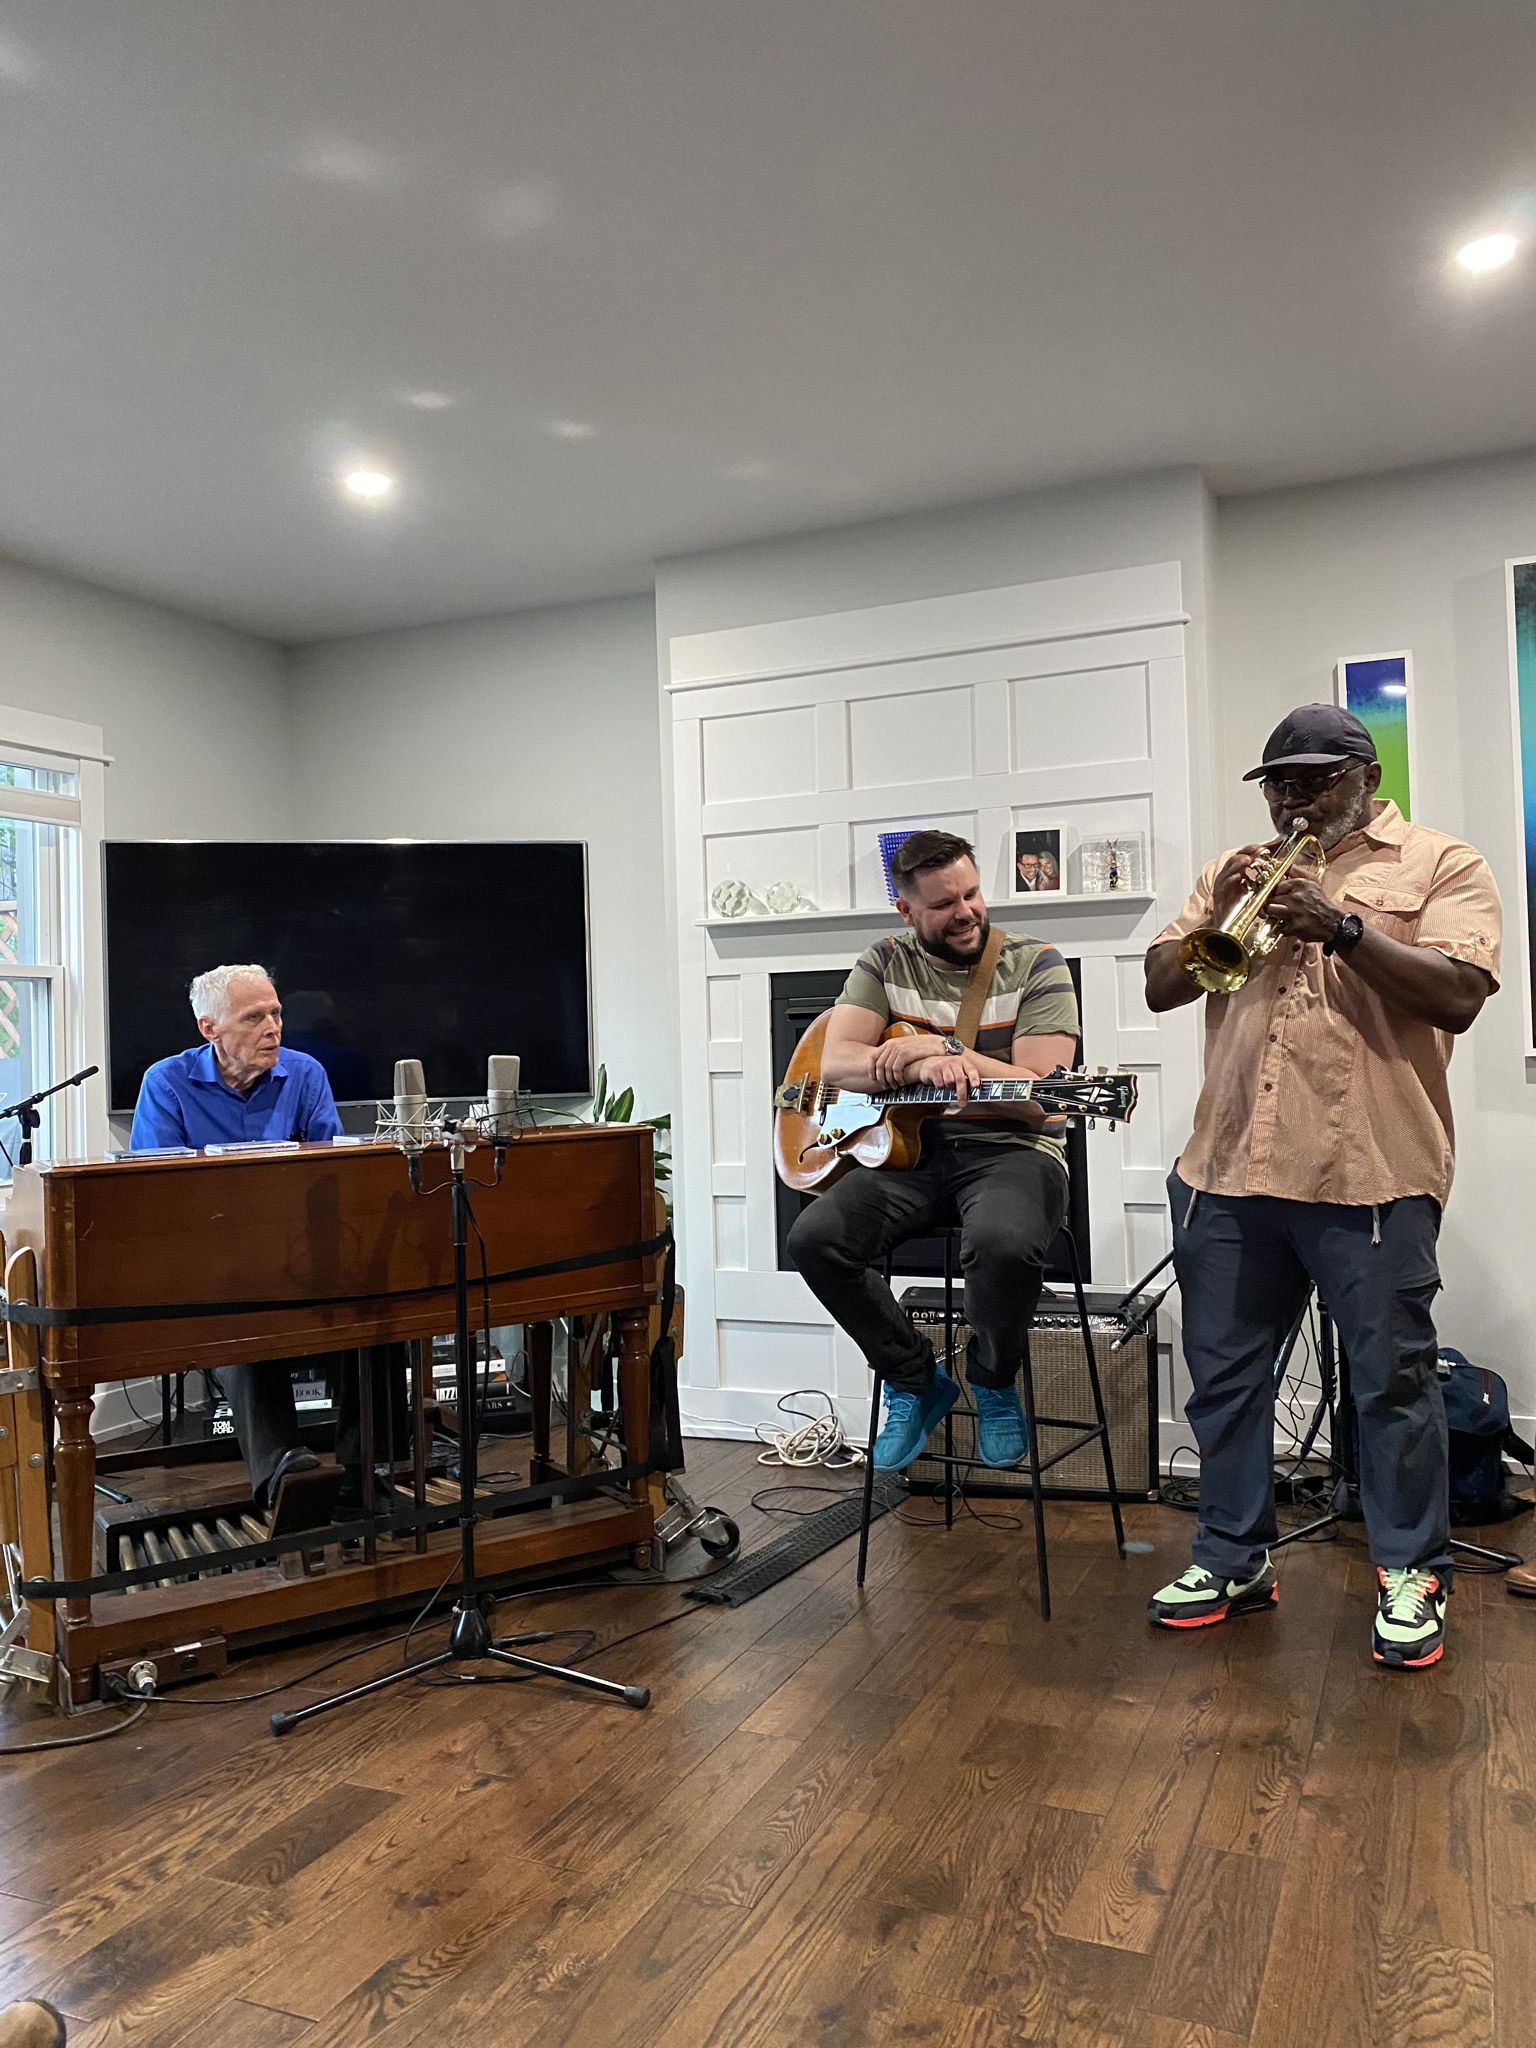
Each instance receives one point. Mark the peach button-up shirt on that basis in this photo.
(1316, 1088)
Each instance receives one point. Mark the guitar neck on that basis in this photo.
(981, 1091)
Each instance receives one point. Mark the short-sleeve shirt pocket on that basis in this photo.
(1395, 911)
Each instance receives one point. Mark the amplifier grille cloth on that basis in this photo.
(1061, 1388)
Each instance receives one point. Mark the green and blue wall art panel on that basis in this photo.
(1377, 688)
(1522, 663)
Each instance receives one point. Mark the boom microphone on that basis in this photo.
(501, 1076)
(1138, 1324)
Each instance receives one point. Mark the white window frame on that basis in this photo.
(77, 981)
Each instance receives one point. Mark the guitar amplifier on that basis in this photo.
(1127, 1377)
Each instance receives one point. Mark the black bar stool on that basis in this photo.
(1035, 1465)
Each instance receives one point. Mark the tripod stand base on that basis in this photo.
(1503, 1560)
(469, 1642)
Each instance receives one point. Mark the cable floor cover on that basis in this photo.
(755, 1573)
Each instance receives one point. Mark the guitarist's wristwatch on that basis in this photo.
(950, 1043)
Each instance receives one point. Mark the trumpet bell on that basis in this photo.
(1219, 963)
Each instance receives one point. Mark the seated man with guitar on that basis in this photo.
(956, 984)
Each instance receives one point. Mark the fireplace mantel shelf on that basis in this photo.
(886, 914)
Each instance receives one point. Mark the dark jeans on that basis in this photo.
(1010, 1200)
(267, 1423)
(1244, 1263)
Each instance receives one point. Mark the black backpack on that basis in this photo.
(1477, 1416)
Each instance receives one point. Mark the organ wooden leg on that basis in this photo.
(584, 1333)
(540, 1343)
(32, 1506)
(74, 1462)
(635, 1401)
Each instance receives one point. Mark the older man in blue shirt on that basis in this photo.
(239, 1085)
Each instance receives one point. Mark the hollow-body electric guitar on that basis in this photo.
(821, 1132)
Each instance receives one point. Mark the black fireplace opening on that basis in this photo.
(797, 1001)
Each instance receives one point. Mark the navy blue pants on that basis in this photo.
(1244, 1264)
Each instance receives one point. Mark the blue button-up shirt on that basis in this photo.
(185, 1100)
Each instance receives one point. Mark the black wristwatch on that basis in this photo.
(951, 1043)
(1351, 930)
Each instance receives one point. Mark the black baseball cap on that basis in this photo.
(1315, 736)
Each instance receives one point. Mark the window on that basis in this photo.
(49, 901)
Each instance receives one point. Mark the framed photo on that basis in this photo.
(1378, 688)
(1521, 597)
(1039, 861)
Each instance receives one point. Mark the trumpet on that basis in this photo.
(1220, 957)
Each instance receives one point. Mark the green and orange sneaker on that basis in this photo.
(1197, 1598)
(1409, 1631)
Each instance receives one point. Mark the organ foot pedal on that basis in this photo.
(716, 1532)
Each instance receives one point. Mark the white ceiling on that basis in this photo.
(696, 271)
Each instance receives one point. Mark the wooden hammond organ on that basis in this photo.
(278, 1254)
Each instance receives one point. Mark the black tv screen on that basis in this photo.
(443, 952)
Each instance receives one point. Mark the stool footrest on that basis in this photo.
(1088, 1436)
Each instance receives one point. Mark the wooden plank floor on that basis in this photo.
(920, 1818)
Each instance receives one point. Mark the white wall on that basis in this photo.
(1411, 560)
(542, 725)
(1124, 522)
(195, 716)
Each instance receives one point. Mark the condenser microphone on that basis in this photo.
(410, 1104)
(501, 1076)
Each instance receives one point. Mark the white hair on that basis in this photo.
(210, 991)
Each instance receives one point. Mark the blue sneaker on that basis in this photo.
(909, 1418)
(1000, 1436)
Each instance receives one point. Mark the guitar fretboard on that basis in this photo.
(981, 1091)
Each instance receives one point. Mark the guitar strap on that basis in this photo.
(978, 988)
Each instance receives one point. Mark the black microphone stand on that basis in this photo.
(469, 1640)
(1140, 1320)
(26, 1113)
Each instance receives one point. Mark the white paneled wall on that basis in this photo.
(795, 745)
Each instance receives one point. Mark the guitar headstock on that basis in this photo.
(1078, 1093)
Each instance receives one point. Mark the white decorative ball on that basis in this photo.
(732, 899)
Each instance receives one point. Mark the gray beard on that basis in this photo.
(1361, 815)
(937, 949)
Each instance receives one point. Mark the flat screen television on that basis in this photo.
(442, 951)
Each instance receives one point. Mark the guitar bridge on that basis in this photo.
(792, 1095)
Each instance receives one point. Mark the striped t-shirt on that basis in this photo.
(1031, 997)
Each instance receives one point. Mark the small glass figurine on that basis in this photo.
(1116, 862)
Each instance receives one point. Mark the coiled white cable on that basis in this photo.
(818, 1440)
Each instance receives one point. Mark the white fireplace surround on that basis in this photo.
(795, 744)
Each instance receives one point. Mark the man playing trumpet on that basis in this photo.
(1322, 1155)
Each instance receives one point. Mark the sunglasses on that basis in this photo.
(1312, 784)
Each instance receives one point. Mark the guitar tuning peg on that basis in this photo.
(1102, 1072)
(1093, 1123)
(1112, 1124)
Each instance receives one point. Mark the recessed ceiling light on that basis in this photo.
(1489, 252)
(572, 430)
(429, 401)
(368, 484)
